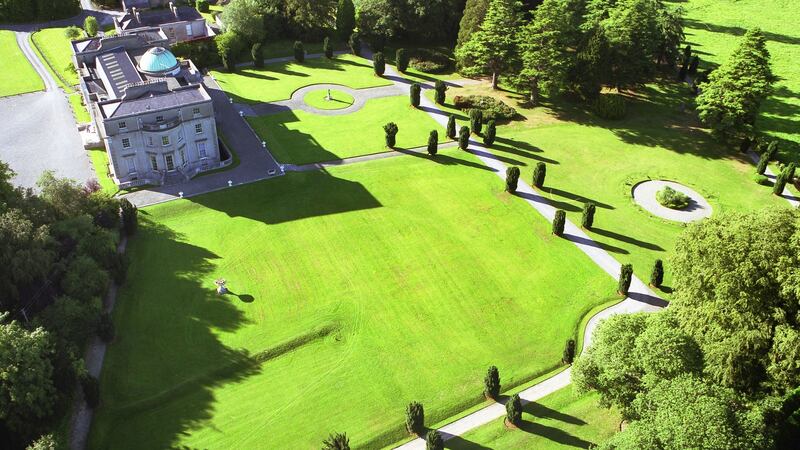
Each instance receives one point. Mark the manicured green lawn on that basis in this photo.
(714, 29)
(19, 77)
(299, 137)
(57, 50)
(319, 99)
(354, 291)
(99, 159)
(562, 420)
(279, 80)
(76, 103)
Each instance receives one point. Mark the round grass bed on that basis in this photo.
(339, 99)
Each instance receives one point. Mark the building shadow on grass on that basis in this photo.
(162, 371)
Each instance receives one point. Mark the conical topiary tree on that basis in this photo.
(434, 440)
(780, 183)
(588, 215)
(299, 52)
(491, 383)
(391, 133)
(130, 218)
(625, 276)
(415, 418)
(766, 156)
(512, 177)
(327, 48)
(514, 410)
(433, 143)
(490, 134)
(440, 89)
(355, 43)
(401, 60)
(539, 173)
(790, 170)
(379, 64)
(657, 276)
(476, 120)
(558, 222)
(569, 352)
(257, 53)
(463, 138)
(414, 94)
(451, 127)
(336, 441)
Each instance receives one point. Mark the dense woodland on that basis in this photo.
(37, 10)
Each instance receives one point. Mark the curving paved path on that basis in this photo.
(360, 98)
(644, 194)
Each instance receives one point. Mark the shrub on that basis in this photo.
(401, 60)
(91, 390)
(355, 43)
(491, 383)
(539, 173)
(761, 179)
(491, 133)
(625, 276)
(377, 42)
(610, 106)
(90, 26)
(512, 177)
(440, 89)
(657, 276)
(514, 410)
(299, 52)
(433, 143)
(434, 440)
(476, 120)
(451, 127)
(391, 133)
(415, 418)
(766, 156)
(72, 32)
(130, 216)
(569, 352)
(672, 199)
(202, 6)
(463, 138)
(745, 145)
(379, 64)
(257, 53)
(790, 170)
(336, 441)
(430, 61)
(761, 167)
(559, 221)
(492, 108)
(414, 93)
(105, 328)
(780, 183)
(587, 220)
(327, 48)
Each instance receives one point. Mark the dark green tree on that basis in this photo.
(476, 120)
(90, 26)
(451, 126)
(105, 327)
(336, 441)
(91, 390)
(440, 89)
(569, 352)
(657, 275)
(471, 20)
(390, 130)
(625, 276)
(257, 53)
(587, 220)
(401, 60)
(539, 173)
(245, 19)
(414, 94)
(490, 134)
(229, 45)
(345, 18)
(512, 178)
(463, 138)
(491, 383)
(299, 52)
(327, 48)
(202, 6)
(130, 216)
(434, 440)
(780, 183)
(379, 64)
(433, 142)
(415, 418)
(514, 410)
(693, 65)
(355, 43)
(559, 220)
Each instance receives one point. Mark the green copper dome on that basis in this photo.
(158, 61)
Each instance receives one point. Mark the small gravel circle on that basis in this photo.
(644, 194)
(318, 99)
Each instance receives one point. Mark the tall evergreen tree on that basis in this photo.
(471, 20)
(345, 18)
(730, 100)
(493, 48)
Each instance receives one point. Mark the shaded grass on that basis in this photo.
(278, 81)
(19, 77)
(299, 137)
(55, 47)
(430, 271)
(78, 108)
(99, 158)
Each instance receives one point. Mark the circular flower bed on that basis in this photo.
(338, 100)
(672, 199)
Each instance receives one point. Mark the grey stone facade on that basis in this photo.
(152, 112)
(179, 23)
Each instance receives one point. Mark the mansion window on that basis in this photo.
(180, 136)
(131, 164)
(201, 149)
(153, 162)
(196, 111)
(123, 125)
(165, 140)
(126, 143)
(159, 118)
(183, 156)
(189, 29)
(149, 141)
(198, 128)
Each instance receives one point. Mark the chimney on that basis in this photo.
(173, 9)
(136, 13)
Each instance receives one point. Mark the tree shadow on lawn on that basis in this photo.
(176, 347)
(539, 410)
(738, 31)
(595, 243)
(485, 154)
(628, 239)
(522, 149)
(575, 197)
(554, 434)
(443, 159)
(555, 203)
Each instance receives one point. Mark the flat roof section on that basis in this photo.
(116, 71)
